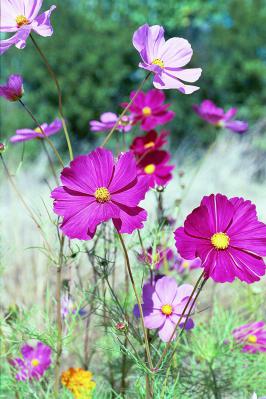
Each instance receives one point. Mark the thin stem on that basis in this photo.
(50, 162)
(107, 138)
(42, 131)
(59, 93)
(138, 300)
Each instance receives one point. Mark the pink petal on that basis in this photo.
(42, 24)
(167, 330)
(154, 319)
(125, 172)
(130, 219)
(189, 75)
(220, 212)
(170, 82)
(185, 244)
(132, 195)
(166, 289)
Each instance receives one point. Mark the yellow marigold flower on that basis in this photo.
(79, 382)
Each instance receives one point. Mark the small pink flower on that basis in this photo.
(107, 122)
(30, 134)
(182, 265)
(149, 109)
(252, 336)
(154, 165)
(97, 188)
(34, 362)
(165, 59)
(2, 148)
(151, 141)
(22, 17)
(13, 90)
(209, 112)
(228, 238)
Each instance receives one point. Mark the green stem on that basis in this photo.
(59, 93)
(124, 111)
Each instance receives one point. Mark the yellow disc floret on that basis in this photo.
(150, 144)
(146, 111)
(149, 169)
(252, 339)
(79, 382)
(21, 20)
(220, 240)
(35, 362)
(167, 310)
(159, 62)
(102, 195)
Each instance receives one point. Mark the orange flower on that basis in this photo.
(79, 382)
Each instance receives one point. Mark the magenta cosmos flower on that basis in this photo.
(149, 109)
(151, 141)
(30, 134)
(209, 112)
(97, 188)
(182, 265)
(21, 16)
(157, 256)
(166, 59)
(34, 362)
(107, 122)
(13, 90)
(154, 165)
(252, 336)
(228, 238)
(163, 304)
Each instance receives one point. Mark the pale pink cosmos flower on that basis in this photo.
(30, 134)
(107, 122)
(166, 59)
(13, 89)
(21, 17)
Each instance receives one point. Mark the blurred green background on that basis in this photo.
(92, 53)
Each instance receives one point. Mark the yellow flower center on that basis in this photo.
(159, 62)
(102, 195)
(146, 111)
(150, 144)
(35, 362)
(220, 240)
(21, 20)
(185, 264)
(252, 339)
(167, 310)
(149, 169)
(38, 130)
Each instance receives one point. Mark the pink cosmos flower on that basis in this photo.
(157, 256)
(97, 188)
(209, 112)
(21, 16)
(228, 238)
(149, 110)
(108, 121)
(182, 265)
(163, 304)
(151, 141)
(252, 336)
(13, 90)
(30, 134)
(154, 165)
(34, 362)
(165, 59)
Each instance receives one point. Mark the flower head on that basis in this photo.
(96, 188)
(22, 17)
(163, 304)
(157, 256)
(151, 141)
(228, 238)
(79, 382)
(165, 58)
(251, 336)
(107, 122)
(34, 362)
(154, 165)
(149, 109)
(209, 112)
(2, 148)
(13, 90)
(30, 134)
(182, 265)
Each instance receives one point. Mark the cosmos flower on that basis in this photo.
(107, 122)
(157, 256)
(209, 112)
(79, 382)
(34, 362)
(228, 238)
(97, 188)
(149, 109)
(13, 90)
(154, 165)
(151, 141)
(163, 304)
(2, 148)
(252, 336)
(30, 134)
(68, 307)
(182, 265)
(165, 59)
(21, 16)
